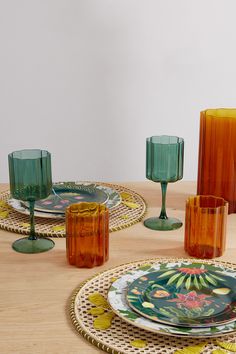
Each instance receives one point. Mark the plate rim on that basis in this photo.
(212, 324)
(25, 211)
(159, 331)
(59, 211)
(43, 214)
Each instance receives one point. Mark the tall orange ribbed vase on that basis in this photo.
(217, 155)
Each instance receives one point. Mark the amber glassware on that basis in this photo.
(87, 234)
(217, 155)
(205, 226)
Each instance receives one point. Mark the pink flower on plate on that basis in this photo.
(64, 201)
(79, 197)
(47, 202)
(191, 300)
(58, 206)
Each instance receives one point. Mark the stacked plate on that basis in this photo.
(180, 299)
(66, 193)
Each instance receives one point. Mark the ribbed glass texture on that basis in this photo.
(87, 234)
(164, 164)
(30, 179)
(30, 174)
(164, 158)
(205, 226)
(217, 155)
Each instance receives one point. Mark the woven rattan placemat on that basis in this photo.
(117, 338)
(120, 217)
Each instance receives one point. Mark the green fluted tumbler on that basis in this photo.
(164, 164)
(30, 180)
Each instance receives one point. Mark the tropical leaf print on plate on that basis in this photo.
(65, 194)
(193, 295)
(198, 277)
(119, 304)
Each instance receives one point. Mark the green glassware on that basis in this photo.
(164, 163)
(30, 180)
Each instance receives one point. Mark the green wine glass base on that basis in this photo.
(24, 245)
(163, 224)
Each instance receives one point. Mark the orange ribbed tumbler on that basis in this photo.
(87, 234)
(205, 226)
(217, 155)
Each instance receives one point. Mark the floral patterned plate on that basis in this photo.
(114, 199)
(66, 193)
(19, 207)
(117, 297)
(196, 296)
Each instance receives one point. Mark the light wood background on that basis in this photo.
(35, 289)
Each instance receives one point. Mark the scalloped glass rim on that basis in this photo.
(220, 112)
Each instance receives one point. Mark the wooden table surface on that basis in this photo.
(35, 289)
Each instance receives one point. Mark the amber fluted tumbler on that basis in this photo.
(217, 155)
(205, 226)
(87, 234)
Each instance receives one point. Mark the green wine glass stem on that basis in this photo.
(32, 235)
(163, 206)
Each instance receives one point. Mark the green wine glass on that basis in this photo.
(30, 180)
(164, 164)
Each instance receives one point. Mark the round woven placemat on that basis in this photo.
(120, 217)
(117, 338)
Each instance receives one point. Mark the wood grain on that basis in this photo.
(35, 289)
